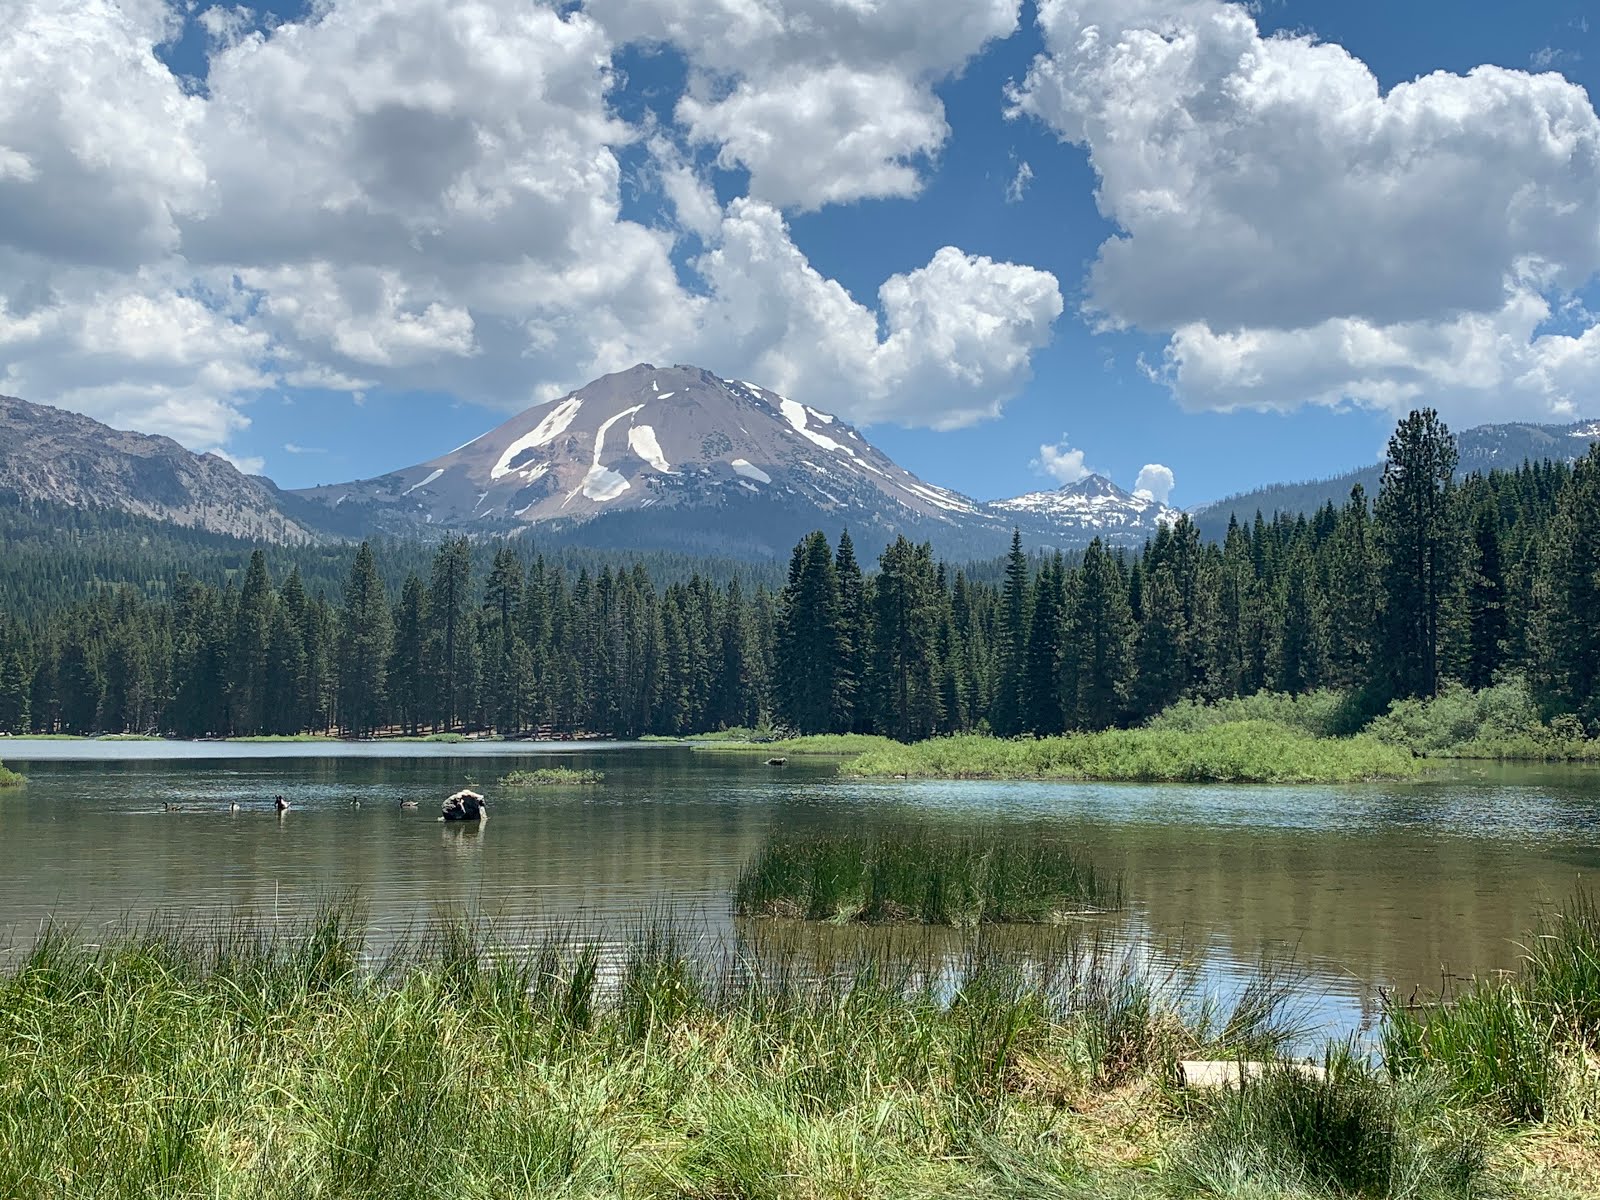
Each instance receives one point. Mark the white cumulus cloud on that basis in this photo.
(1303, 235)
(1061, 462)
(1155, 482)
(428, 194)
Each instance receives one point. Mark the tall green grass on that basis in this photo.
(11, 778)
(1521, 1044)
(1348, 1133)
(171, 1060)
(1236, 752)
(963, 880)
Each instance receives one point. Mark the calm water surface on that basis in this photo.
(1391, 884)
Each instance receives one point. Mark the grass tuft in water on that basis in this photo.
(10, 778)
(958, 880)
(551, 776)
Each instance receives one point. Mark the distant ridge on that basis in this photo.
(1482, 449)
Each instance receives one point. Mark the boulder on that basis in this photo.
(465, 805)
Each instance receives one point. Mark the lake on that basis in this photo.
(1394, 884)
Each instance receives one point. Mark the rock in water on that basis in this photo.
(465, 805)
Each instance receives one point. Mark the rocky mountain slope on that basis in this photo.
(1484, 448)
(50, 454)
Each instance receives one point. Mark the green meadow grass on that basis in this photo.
(171, 1062)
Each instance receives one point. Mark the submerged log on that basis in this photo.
(465, 805)
(1202, 1073)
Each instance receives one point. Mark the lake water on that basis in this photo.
(1401, 885)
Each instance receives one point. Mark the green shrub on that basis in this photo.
(1324, 713)
(11, 778)
(1499, 722)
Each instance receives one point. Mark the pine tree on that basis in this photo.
(1485, 601)
(1041, 693)
(808, 638)
(1012, 636)
(1416, 538)
(905, 626)
(364, 641)
(1161, 663)
(850, 699)
(1567, 634)
(1352, 596)
(1100, 643)
(451, 633)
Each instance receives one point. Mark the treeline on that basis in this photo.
(1435, 581)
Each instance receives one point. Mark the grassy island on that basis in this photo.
(550, 777)
(960, 881)
(167, 1062)
(11, 778)
(1237, 752)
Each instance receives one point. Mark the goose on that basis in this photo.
(408, 804)
(355, 803)
(280, 804)
(233, 806)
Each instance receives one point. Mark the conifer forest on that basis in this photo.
(1434, 579)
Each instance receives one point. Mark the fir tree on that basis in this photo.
(363, 647)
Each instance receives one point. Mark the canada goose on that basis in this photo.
(280, 804)
(233, 806)
(355, 803)
(408, 804)
(170, 807)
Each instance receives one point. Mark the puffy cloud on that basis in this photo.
(960, 331)
(810, 138)
(1268, 193)
(823, 101)
(1061, 462)
(252, 464)
(428, 194)
(1155, 482)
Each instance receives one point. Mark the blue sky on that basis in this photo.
(1237, 243)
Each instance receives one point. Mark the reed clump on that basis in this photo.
(10, 778)
(958, 880)
(1346, 1132)
(175, 1061)
(551, 776)
(1233, 752)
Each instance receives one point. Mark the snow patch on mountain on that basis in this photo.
(546, 431)
(795, 413)
(1589, 433)
(750, 471)
(642, 441)
(422, 483)
(602, 483)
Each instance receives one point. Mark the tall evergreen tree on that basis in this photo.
(1485, 602)
(1415, 533)
(808, 638)
(364, 640)
(1100, 642)
(1006, 714)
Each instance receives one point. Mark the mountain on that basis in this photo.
(656, 456)
(1076, 513)
(48, 454)
(1484, 448)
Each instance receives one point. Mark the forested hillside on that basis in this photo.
(1438, 580)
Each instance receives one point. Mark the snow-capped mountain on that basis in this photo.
(1076, 513)
(667, 455)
